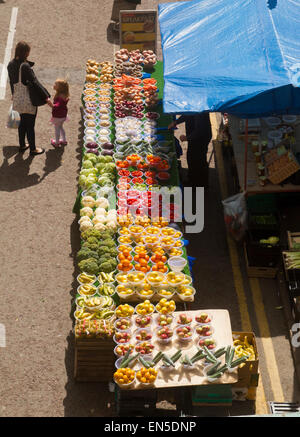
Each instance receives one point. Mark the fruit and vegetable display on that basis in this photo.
(128, 287)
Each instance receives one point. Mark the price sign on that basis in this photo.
(138, 30)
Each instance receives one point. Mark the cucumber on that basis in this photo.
(198, 356)
(187, 360)
(144, 362)
(209, 354)
(129, 360)
(238, 361)
(219, 352)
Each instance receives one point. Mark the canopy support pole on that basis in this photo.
(246, 156)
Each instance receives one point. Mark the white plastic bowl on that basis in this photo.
(177, 263)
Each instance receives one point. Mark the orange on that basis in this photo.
(154, 268)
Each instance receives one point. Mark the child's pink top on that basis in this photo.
(59, 109)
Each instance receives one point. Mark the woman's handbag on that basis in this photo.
(37, 92)
(21, 99)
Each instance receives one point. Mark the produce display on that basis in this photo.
(132, 261)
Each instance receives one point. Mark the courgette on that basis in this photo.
(157, 357)
(198, 356)
(175, 355)
(168, 360)
(144, 363)
(230, 358)
(187, 360)
(219, 352)
(238, 361)
(214, 368)
(216, 375)
(209, 354)
(228, 349)
(125, 358)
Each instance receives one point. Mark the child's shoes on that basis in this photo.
(63, 143)
(54, 144)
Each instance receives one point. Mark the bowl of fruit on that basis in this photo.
(123, 324)
(122, 279)
(183, 319)
(136, 278)
(124, 292)
(165, 292)
(122, 337)
(121, 349)
(145, 292)
(164, 334)
(184, 333)
(209, 342)
(166, 306)
(155, 278)
(124, 310)
(186, 293)
(204, 330)
(143, 334)
(125, 377)
(164, 320)
(175, 278)
(203, 318)
(143, 321)
(146, 377)
(145, 308)
(145, 348)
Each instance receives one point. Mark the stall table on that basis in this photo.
(180, 377)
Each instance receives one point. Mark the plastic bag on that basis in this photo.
(13, 119)
(235, 215)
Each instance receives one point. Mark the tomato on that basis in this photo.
(163, 175)
(123, 172)
(137, 181)
(137, 174)
(151, 181)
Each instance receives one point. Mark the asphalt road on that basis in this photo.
(39, 234)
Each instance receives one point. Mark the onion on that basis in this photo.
(107, 152)
(107, 146)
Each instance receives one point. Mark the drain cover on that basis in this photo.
(284, 407)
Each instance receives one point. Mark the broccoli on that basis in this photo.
(107, 266)
(109, 242)
(91, 233)
(92, 246)
(104, 258)
(103, 249)
(89, 266)
(113, 252)
(85, 253)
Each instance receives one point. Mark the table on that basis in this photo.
(238, 144)
(180, 377)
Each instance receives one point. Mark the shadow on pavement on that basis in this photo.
(15, 176)
(83, 399)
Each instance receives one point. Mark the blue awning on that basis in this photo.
(235, 56)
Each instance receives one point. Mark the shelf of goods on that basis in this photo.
(132, 252)
(273, 153)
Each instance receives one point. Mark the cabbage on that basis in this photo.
(103, 180)
(87, 164)
(110, 167)
(82, 180)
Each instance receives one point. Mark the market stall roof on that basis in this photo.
(235, 56)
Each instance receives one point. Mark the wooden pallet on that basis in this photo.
(94, 360)
(259, 272)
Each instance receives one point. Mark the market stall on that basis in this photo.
(132, 323)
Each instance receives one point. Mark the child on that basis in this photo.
(59, 111)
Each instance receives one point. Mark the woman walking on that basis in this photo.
(20, 71)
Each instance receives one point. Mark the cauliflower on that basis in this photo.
(89, 265)
(84, 226)
(112, 212)
(88, 201)
(111, 225)
(85, 218)
(86, 211)
(102, 202)
(100, 226)
(100, 211)
(99, 219)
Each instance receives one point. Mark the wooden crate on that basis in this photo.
(259, 272)
(94, 360)
(293, 237)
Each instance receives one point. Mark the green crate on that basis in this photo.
(262, 203)
(212, 394)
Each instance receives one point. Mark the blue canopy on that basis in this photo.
(235, 56)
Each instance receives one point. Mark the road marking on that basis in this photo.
(7, 55)
(261, 402)
(266, 340)
(2, 335)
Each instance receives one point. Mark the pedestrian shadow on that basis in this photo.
(15, 176)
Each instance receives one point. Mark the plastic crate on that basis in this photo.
(262, 255)
(262, 203)
(271, 222)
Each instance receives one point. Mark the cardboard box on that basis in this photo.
(248, 374)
